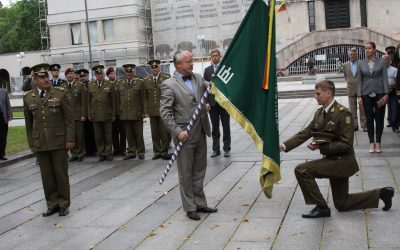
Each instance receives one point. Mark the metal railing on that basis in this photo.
(327, 59)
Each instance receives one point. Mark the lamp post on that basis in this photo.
(201, 43)
(19, 59)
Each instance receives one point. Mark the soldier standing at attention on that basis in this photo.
(101, 111)
(50, 130)
(152, 92)
(90, 143)
(130, 110)
(333, 132)
(55, 72)
(118, 132)
(77, 99)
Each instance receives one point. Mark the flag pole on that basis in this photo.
(187, 130)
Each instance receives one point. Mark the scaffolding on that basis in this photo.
(148, 30)
(44, 29)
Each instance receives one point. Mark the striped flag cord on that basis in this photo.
(178, 148)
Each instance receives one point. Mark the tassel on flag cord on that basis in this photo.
(282, 7)
(178, 148)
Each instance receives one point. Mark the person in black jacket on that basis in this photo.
(217, 112)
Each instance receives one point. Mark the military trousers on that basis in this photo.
(134, 135)
(336, 172)
(192, 165)
(103, 137)
(159, 136)
(118, 136)
(79, 150)
(54, 171)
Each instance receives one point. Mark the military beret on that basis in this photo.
(110, 70)
(98, 69)
(40, 69)
(154, 63)
(129, 67)
(68, 71)
(55, 66)
(321, 137)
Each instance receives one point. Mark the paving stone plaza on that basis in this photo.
(120, 205)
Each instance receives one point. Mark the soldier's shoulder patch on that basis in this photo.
(348, 119)
(27, 92)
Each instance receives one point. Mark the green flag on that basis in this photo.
(245, 85)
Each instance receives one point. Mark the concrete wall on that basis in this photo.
(292, 24)
(129, 37)
(11, 64)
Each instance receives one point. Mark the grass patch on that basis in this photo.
(16, 140)
(18, 114)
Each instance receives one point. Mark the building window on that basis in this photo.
(77, 66)
(95, 63)
(363, 7)
(337, 14)
(311, 15)
(76, 33)
(108, 28)
(110, 63)
(94, 38)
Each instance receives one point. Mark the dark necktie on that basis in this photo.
(42, 92)
(185, 78)
(69, 85)
(324, 113)
(155, 80)
(54, 83)
(129, 83)
(99, 83)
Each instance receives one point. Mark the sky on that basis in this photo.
(6, 2)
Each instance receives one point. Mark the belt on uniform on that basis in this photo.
(337, 156)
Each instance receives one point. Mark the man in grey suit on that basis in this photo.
(179, 97)
(5, 117)
(351, 76)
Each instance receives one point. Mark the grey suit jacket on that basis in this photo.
(178, 103)
(208, 72)
(376, 82)
(5, 106)
(352, 81)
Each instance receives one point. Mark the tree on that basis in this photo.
(19, 27)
